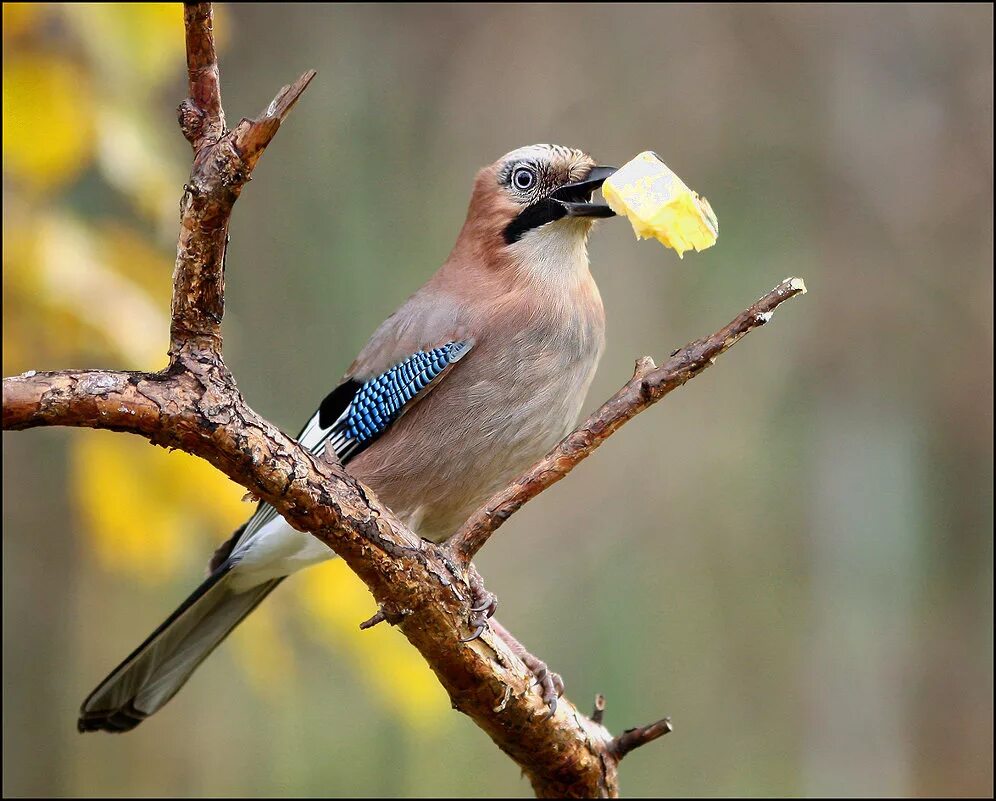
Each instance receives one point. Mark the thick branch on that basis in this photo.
(200, 412)
(648, 385)
(87, 398)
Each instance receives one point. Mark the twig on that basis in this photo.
(223, 163)
(634, 738)
(648, 385)
(599, 711)
(373, 620)
(252, 136)
(202, 118)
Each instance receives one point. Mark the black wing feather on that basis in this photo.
(337, 401)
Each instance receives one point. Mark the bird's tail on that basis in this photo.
(161, 665)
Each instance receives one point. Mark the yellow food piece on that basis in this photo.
(659, 205)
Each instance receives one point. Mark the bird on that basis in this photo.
(470, 381)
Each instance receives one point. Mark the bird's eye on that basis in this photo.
(523, 179)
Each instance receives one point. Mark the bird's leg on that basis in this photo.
(551, 685)
(483, 605)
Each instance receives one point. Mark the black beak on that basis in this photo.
(572, 200)
(576, 198)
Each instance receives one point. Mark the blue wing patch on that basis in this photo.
(384, 398)
(354, 415)
(380, 400)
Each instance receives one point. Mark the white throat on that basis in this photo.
(555, 255)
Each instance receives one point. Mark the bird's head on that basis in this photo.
(536, 198)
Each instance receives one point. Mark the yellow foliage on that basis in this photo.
(129, 153)
(339, 601)
(265, 653)
(123, 250)
(47, 119)
(69, 268)
(19, 18)
(102, 291)
(148, 40)
(149, 512)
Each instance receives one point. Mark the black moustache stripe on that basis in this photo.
(533, 216)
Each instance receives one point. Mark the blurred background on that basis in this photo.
(792, 556)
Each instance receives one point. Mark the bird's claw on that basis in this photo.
(484, 604)
(489, 602)
(551, 684)
(483, 601)
(479, 628)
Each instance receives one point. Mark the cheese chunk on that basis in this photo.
(659, 205)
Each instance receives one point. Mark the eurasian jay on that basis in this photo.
(475, 377)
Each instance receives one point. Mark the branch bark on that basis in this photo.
(194, 406)
(206, 122)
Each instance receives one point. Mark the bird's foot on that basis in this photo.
(483, 605)
(551, 684)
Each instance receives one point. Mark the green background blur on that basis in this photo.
(792, 556)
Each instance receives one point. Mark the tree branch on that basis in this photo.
(202, 117)
(223, 163)
(194, 406)
(648, 385)
(632, 739)
(252, 136)
(87, 398)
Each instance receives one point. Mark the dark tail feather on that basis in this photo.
(160, 666)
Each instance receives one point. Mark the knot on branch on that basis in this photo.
(191, 120)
